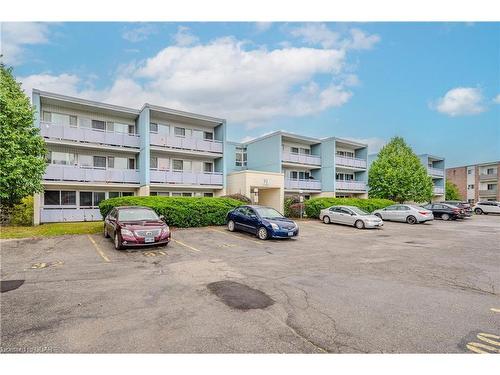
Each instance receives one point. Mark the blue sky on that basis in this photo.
(435, 84)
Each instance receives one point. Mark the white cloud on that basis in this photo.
(262, 26)
(139, 33)
(183, 37)
(15, 36)
(461, 101)
(496, 99)
(224, 78)
(320, 34)
(374, 143)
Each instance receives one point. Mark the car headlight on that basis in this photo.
(275, 226)
(126, 232)
(164, 230)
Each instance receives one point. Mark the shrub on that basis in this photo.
(289, 201)
(315, 205)
(295, 209)
(179, 211)
(22, 213)
(239, 197)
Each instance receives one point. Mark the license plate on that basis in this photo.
(149, 239)
(290, 234)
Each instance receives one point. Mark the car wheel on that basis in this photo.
(118, 242)
(359, 224)
(326, 219)
(262, 233)
(230, 226)
(411, 220)
(478, 211)
(106, 234)
(445, 217)
(378, 215)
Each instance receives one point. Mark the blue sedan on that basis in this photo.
(265, 222)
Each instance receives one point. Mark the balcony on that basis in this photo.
(186, 143)
(488, 193)
(488, 177)
(436, 172)
(350, 162)
(301, 158)
(55, 172)
(88, 135)
(350, 185)
(57, 215)
(186, 178)
(308, 184)
(438, 190)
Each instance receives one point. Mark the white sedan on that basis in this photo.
(406, 213)
(350, 215)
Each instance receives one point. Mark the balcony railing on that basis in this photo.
(488, 193)
(435, 172)
(306, 184)
(438, 190)
(88, 135)
(56, 215)
(350, 162)
(186, 143)
(57, 172)
(350, 185)
(301, 158)
(186, 178)
(486, 177)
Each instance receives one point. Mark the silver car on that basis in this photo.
(408, 213)
(350, 215)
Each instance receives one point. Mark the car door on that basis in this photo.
(494, 208)
(333, 214)
(348, 216)
(438, 210)
(253, 220)
(110, 222)
(239, 218)
(390, 213)
(403, 212)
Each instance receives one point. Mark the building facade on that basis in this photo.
(478, 182)
(97, 151)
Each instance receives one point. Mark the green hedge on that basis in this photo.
(181, 212)
(315, 205)
(22, 213)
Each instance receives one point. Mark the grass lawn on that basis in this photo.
(49, 230)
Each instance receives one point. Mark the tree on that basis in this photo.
(398, 174)
(452, 193)
(22, 151)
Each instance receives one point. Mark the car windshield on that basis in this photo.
(268, 213)
(358, 211)
(137, 214)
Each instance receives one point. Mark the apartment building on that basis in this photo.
(477, 182)
(435, 166)
(98, 151)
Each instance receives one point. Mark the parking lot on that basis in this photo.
(427, 288)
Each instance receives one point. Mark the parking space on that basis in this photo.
(405, 288)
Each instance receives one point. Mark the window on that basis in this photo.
(187, 194)
(305, 151)
(208, 195)
(208, 167)
(98, 125)
(100, 162)
(84, 122)
(294, 175)
(153, 162)
(59, 118)
(131, 163)
(198, 134)
(47, 116)
(176, 194)
(68, 198)
(294, 150)
(127, 194)
(177, 165)
(62, 158)
(163, 164)
(469, 171)
(153, 193)
(51, 198)
(72, 121)
(491, 187)
(112, 194)
(470, 187)
(208, 136)
(153, 128)
(180, 132)
(241, 156)
(348, 154)
(490, 171)
(85, 199)
(98, 197)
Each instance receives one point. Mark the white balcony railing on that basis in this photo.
(301, 158)
(487, 192)
(186, 178)
(57, 172)
(350, 185)
(488, 176)
(438, 190)
(435, 171)
(187, 143)
(307, 184)
(350, 162)
(57, 215)
(88, 135)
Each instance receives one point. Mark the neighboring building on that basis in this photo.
(98, 151)
(477, 182)
(435, 166)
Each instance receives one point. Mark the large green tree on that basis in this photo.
(22, 150)
(451, 192)
(398, 174)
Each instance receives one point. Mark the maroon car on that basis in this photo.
(135, 226)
